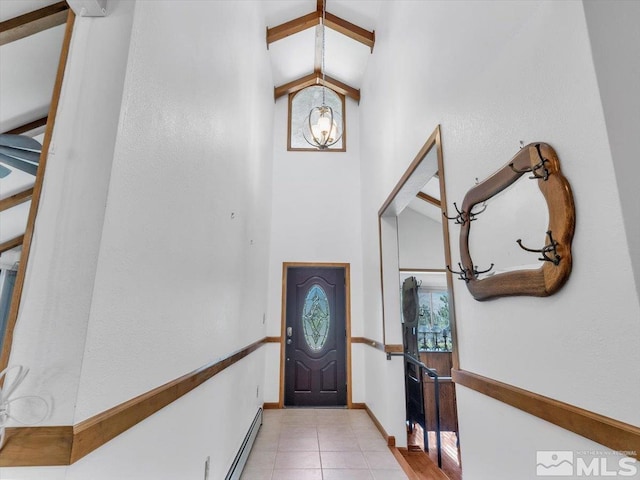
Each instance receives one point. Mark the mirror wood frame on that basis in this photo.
(403, 189)
(549, 278)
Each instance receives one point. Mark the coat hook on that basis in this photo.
(460, 219)
(549, 248)
(538, 166)
(477, 272)
(463, 216)
(463, 274)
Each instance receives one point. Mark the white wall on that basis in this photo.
(615, 45)
(492, 74)
(316, 218)
(173, 267)
(52, 322)
(420, 243)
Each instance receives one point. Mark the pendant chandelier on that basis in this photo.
(323, 126)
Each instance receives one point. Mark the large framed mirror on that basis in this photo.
(414, 239)
(414, 249)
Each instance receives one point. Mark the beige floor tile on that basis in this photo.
(298, 444)
(381, 460)
(298, 474)
(348, 444)
(373, 444)
(256, 474)
(346, 474)
(343, 460)
(389, 475)
(261, 460)
(320, 444)
(297, 460)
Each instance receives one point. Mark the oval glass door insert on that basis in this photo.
(316, 318)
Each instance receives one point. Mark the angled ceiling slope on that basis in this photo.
(347, 47)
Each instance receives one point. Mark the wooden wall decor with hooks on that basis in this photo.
(539, 160)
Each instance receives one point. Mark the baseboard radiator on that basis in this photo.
(245, 449)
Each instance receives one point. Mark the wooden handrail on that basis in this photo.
(64, 445)
(612, 433)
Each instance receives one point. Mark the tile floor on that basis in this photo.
(320, 444)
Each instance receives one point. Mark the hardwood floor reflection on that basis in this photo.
(450, 453)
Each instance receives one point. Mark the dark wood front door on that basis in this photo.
(315, 337)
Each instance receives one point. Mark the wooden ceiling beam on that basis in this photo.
(16, 199)
(296, 85)
(350, 30)
(429, 199)
(13, 243)
(293, 26)
(316, 79)
(41, 122)
(33, 22)
(315, 18)
(340, 87)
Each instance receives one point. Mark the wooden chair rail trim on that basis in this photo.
(36, 446)
(16, 199)
(368, 341)
(393, 348)
(33, 22)
(388, 348)
(64, 445)
(618, 436)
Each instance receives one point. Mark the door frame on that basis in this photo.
(347, 319)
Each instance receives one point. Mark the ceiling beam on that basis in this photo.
(340, 87)
(13, 243)
(16, 199)
(293, 26)
(429, 199)
(33, 22)
(350, 30)
(41, 122)
(314, 18)
(316, 79)
(296, 85)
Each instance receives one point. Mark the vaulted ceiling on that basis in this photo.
(294, 39)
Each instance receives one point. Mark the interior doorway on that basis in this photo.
(315, 336)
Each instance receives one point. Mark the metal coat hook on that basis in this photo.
(463, 274)
(535, 168)
(549, 248)
(463, 216)
(460, 219)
